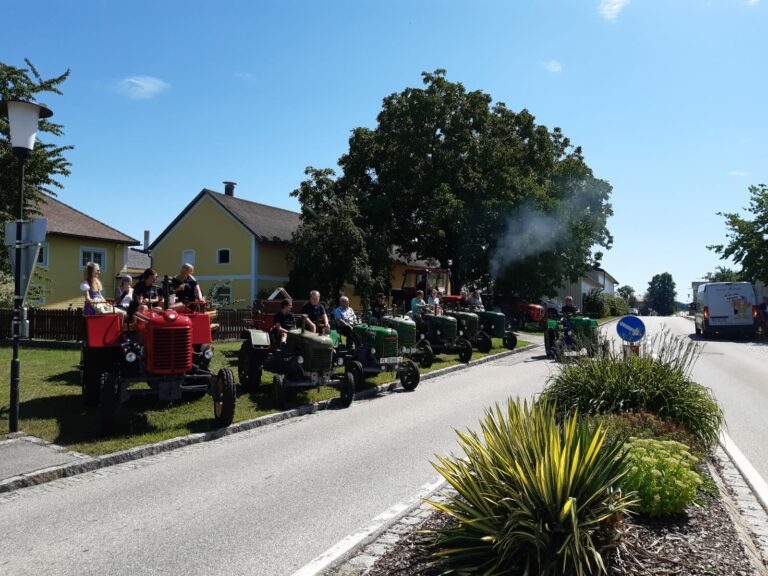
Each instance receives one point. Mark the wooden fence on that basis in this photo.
(67, 325)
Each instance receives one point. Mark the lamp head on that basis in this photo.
(23, 119)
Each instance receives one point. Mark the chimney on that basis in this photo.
(146, 240)
(229, 188)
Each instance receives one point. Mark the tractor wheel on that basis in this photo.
(356, 369)
(109, 401)
(224, 397)
(465, 352)
(278, 391)
(510, 340)
(697, 330)
(427, 356)
(90, 376)
(248, 368)
(410, 377)
(549, 343)
(484, 343)
(560, 351)
(347, 390)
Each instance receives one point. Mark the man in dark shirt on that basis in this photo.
(568, 308)
(379, 306)
(284, 320)
(316, 317)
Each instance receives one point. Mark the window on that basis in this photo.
(42, 256)
(222, 256)
(188, 257)
(222, 295)
(95, 255)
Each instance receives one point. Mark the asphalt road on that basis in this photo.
(263, 502)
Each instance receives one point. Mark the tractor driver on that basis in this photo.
(345, 318)
(418, 304)
(568, 308)
(379, 306)
(316, 318)
(284, 320)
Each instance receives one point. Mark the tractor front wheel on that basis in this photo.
(465, 350)
(510, 340)
(347, 390)
(410, 377)
(248, 368)
(224, 397)
(484, 344)
(109, 401)
(427, 357)
(549, 342)
(355, 368)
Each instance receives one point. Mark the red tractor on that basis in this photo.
(170, 350)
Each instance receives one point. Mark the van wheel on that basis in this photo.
(698, 331)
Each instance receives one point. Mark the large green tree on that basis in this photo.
(723, 274)
(47, 163)
(661, 294)
(449, 176)
(747, 243)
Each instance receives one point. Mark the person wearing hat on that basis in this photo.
(124, 292)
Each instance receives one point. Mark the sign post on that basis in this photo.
(631, 330)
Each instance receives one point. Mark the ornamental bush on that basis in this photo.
(661, 473)
(535, 495)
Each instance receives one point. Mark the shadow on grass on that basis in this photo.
(68, 378)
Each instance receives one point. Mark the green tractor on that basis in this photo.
(441, 332)
(494, 325)
(419, 350)
(571, 336)
(468, 325)
(306, 360)
(480, 326)
(376, 350)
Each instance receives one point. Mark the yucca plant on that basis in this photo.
(535, 496)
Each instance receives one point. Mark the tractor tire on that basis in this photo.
(549, 343)
(90, 376)
(484, 344)
(109, 401)
(427, 356)
(347, 390)
(224, 397)
(697, 330)
(356, 369)
(249, 369)
(510, 341)
(465, 352)
(278, 391)
(410, 377)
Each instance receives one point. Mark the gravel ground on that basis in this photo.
(703, 541)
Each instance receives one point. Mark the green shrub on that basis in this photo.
(658, 382)
(534, 496)
(595, 304)
(660, 472)
(617, 306)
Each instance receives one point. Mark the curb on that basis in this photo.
(90, 463)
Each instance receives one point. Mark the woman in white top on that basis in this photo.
(124, 294)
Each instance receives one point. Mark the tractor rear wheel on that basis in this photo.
(224, 397)
(410, 377)
(484, 343)
(510, 340)
(355, 368)
(549, 343)
(465, 350)
(90, 376)
(278, 391)
(427, 356)
(109, 401)
(249, 370)
(347, 390)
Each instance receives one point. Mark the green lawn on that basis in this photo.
(51, 407)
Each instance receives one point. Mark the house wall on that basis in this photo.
(272, 266)
(60, 280)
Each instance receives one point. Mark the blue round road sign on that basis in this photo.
(630, 329)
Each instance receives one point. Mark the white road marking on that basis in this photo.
(347, 543)
(752, 476)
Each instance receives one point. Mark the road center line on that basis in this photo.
(752, 476)
(348, 542)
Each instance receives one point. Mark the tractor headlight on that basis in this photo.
(300, 360)
(208, 354)
(438, 332)
(421, 337)
(461, 332)
(339, 361)
(130, 357)
(373, 351)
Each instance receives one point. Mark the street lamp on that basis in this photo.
(23, 118)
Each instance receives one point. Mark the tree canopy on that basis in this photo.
(747, 242)
(47, 163)
(447, 175)
(723, 274)
(661, 294)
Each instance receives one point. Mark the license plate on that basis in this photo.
(392, 360)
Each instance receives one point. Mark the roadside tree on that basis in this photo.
(628, 294)
(47, 163)
(661, 294)
(723, 274)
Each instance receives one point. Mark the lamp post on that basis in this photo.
(23, 118)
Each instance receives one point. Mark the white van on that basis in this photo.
(726, 308)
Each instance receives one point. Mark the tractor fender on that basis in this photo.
(258, 338)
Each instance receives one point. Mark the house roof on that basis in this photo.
(66, 221)
(608, 275)
(266, 223)
(138, 260)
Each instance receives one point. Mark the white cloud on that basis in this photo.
(752, 2)
(609, 9)
(553, 66)
(737, 173)
(142, 87)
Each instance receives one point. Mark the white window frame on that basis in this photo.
(92, 250)
(45, 252)
(216, 293)
(185, 259)
(218, 256)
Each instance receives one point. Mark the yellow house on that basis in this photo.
(72, 240)
(238, 247)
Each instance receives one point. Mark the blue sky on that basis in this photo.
(666, 97)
